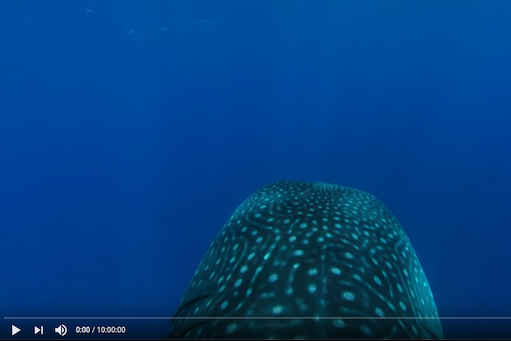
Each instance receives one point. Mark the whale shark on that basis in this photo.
(309, 260)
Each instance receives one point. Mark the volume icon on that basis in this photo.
(61, 330)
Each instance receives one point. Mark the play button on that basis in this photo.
(14, 330)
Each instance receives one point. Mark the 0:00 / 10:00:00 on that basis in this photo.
(100, 330)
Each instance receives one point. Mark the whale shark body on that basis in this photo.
(309, 260)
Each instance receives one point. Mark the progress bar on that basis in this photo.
(258, 318)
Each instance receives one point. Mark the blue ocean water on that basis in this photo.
(131, 129)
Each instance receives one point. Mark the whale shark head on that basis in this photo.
(302, 260)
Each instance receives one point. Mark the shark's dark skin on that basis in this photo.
(309, 260)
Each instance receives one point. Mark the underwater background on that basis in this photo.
(130, 130)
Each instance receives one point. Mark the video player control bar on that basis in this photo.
(62, 330)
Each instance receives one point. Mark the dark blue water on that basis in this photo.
(131, 129)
